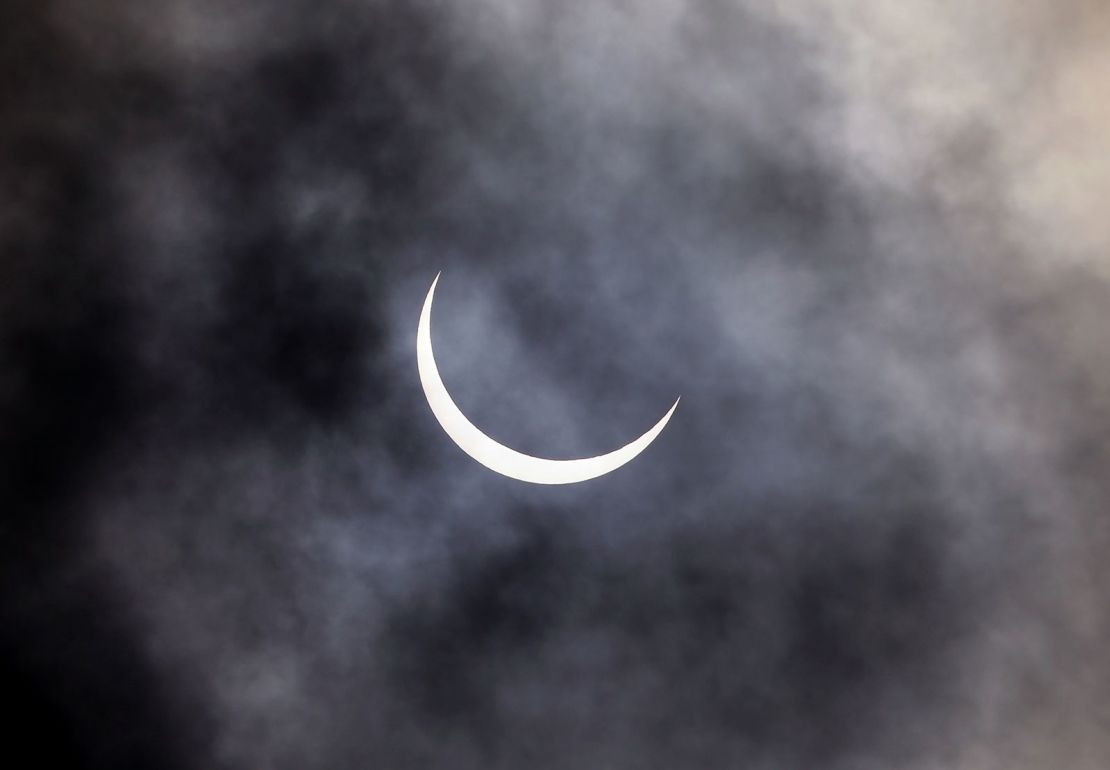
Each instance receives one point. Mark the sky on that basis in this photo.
(865, 243)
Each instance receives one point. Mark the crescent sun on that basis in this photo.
(498, 457)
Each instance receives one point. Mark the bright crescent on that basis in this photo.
(500, 458)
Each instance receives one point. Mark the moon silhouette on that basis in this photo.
(500, 458)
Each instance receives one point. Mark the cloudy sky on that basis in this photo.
(866, 242)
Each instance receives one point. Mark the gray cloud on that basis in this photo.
(863, 243)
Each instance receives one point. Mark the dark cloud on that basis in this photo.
(71, 377)
(234, 535)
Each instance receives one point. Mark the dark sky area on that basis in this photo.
(866, 242)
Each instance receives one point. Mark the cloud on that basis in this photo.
(862, 242)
